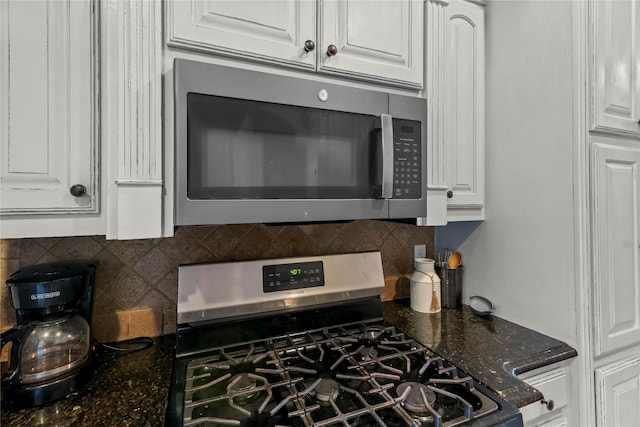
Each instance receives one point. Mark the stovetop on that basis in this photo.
(301, 342)
(363, 373)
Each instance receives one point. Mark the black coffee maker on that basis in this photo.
(50, 353)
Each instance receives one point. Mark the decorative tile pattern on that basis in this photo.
(138, 274)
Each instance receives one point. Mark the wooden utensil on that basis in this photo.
(455, 260)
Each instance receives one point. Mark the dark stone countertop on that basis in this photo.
(132, 389)
(490, 349)
(126, 389)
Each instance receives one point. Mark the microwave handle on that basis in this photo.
(387, 156)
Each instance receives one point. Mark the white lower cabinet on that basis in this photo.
(552, 382)
(618, 393)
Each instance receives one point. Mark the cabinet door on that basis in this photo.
(265, 30)
(47, 106)
(617, 66)
(464, 109)
(618, 394)
(616, 229)
(376, 40)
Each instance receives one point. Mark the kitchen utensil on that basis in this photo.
(443, 256)
(50, 353)
(481, 306)
(454, 260)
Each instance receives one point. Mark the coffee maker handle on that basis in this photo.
(14, 335)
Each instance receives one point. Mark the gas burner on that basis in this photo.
(372, 333)
(419, 398)
(243, 388)
(327, 389)
(331, 376)
(367, 353)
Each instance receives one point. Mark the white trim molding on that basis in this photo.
(434, 69)
(132, 112)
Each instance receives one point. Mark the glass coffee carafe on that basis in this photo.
(43, 350)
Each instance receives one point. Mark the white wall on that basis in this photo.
(522, 256)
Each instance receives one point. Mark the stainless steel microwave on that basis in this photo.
(259, 147)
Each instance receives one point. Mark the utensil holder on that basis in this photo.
(451, 285)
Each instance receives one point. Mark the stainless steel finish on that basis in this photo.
(213, 79)
(411, 108)
(337, 365)
(387, 156)
(451, 285)
(208, 291)
(373, 355)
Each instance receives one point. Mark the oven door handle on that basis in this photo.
(387, 156)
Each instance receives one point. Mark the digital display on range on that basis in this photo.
(284, 277)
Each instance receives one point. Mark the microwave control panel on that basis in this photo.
(407, 155)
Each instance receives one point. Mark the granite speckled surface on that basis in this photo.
(132, 389)
(126, 389)
(491, 349)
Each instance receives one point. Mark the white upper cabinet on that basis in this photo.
(48, 124)
(80, 118)
(381, 40)
(272, 31)
(455, 92)
(616, 82)
(464, 109)
(371, 40)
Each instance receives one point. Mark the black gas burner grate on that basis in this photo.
(358, 374)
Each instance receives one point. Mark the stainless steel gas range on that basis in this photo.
(301, 342)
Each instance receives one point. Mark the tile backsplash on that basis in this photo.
(136, 280)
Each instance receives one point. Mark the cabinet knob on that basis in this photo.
(78, 190)
(332, 50)
(309, 45)
(549, 404)
(449, 194)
